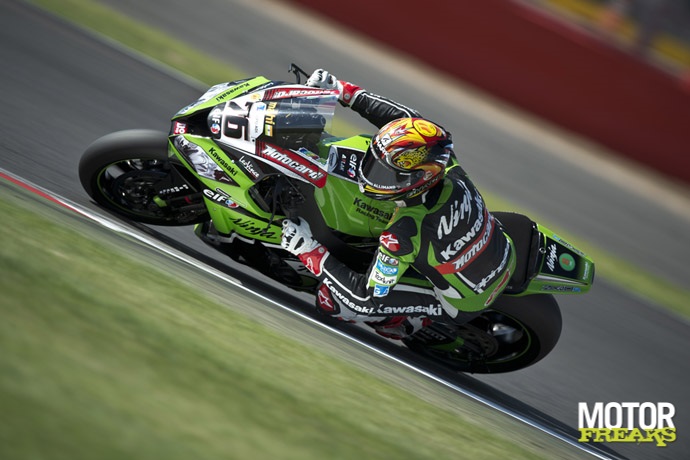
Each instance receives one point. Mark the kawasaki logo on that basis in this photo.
(430, 310)
(471, 252)
(345, 300)
(364, 206)
(226, 94)
(221, 161)
(455, 247)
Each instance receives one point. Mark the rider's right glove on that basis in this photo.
(323, 79)
(297, 240)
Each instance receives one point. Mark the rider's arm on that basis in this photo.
(379, 110)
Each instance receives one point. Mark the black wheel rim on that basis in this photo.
(132, 185)
(493, 338)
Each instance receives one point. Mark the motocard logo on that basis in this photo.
(627, 422)
(294, 163)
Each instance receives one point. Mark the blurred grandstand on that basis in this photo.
(656, 30)
(616, 72)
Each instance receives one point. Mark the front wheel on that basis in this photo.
(514, 333)
(129, 173)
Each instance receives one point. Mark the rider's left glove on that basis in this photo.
(297, 239)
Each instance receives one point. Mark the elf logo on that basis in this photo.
(627, 422)
(220, 197)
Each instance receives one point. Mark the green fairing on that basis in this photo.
(228, 93)
(344, 207)
(252, 222)
(563, 269)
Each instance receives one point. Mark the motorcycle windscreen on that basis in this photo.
(299, 122)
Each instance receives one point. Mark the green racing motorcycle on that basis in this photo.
(250, 153)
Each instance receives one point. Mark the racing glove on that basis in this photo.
(323, 79)
(297, 239)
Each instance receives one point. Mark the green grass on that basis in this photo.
(180, 56)
(104, 356)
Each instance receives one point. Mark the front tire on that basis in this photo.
(125, 170)
(516, 332)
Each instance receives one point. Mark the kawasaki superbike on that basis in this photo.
(250, 153)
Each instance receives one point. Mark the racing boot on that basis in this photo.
(327, 306)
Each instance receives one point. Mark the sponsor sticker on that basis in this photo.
(179, 128)
(381, 291)
(388, 270)
(379, 278)
(293, 162)
(567, 262)
(388, 260)
(553, 288)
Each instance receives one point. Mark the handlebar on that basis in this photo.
(297, 70)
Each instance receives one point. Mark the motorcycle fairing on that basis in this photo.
(220, 93)
(341, 204)
(281, 126)
(564, 269)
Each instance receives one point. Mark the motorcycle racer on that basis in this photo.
(441, 230)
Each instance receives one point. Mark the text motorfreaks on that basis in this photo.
(627, 422)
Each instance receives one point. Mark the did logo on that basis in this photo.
(627, 422)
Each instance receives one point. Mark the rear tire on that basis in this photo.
(515, 333)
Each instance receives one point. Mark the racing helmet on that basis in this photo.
(405, 158)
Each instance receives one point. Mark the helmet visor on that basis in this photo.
(379, 177)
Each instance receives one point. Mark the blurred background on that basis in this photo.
(616, 74)
(657, 31)
(614, 71)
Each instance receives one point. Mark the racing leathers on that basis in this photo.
(442, 253)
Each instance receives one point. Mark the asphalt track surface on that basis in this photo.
(62, 89)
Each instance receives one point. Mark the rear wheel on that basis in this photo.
(515, 333)
(127, 172)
